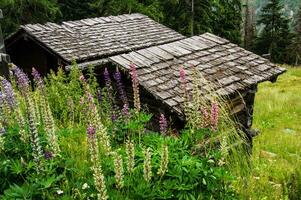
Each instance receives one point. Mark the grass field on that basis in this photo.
(277, 150)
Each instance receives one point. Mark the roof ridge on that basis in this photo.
(87, 21)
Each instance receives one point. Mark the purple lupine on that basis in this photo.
(120, 86)
(114, 117)
(91, 132)
(22, 80)
(135, 85)
(8, 93)
(214, 115)
(125, 110)
(37, 79)
(99, 96)
(182, 75)
(107, 78)
(48, 155)
(163, 124)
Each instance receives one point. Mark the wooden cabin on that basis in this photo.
(158, 53)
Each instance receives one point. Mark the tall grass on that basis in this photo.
(276, 158)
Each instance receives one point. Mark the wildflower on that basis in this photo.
(59, 192)
(8, 93)
(125, 110)
(147, 167)
(224, 151)
(22, 80)
(48, 155)
(135, 85)
(91, 132)
(38, 79)
(182, 75)
(214, 115)
(206, 117)
(2, 132)
(99, 97)
(98, 176)
(21, 122)
(164, 161)
(82, 78)
(120, 87)
(34, 137)
(50, 129)
(118, 166)
(163, 124)
(107, 78)
(130, 152)
(85, 186)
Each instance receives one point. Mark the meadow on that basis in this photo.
(277, 150)
(65, 137)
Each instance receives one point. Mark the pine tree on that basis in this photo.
(249, 25)
(19, 12)
(295, 47)
(275, 37)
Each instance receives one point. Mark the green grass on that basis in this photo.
(277, 150)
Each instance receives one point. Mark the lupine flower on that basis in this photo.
(82, 78)
(164, 161)
(21, 122)
(214, 115)
(34, 137)
(22, 80)
(98, 176)
(107, 78)
(113, 117)
(182, 75)
(99, 96)
(92, 114)
(135, 85)
(50, 129)
(2, 132)
(147, 167)
(120, 87)
(8, 93)
(118, 166)
(130, 152)
(206, 117)
(163, 124)
(224, 151)
(91, 132)
(38, 79)
(125, 110)
(48, 155)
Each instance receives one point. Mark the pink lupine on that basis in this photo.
(135, 85)
(163, 124)
(214, 115)
(206, 117)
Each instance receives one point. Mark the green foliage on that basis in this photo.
(19, 12)
(192, 172)
(275, 37)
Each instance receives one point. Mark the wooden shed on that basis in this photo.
(87, 41)
(157, 51)
(233, 72)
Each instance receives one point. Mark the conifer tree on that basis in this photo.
(295, 48)
(275, 37)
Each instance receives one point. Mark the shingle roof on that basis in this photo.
(225, 65)
(95, 38)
